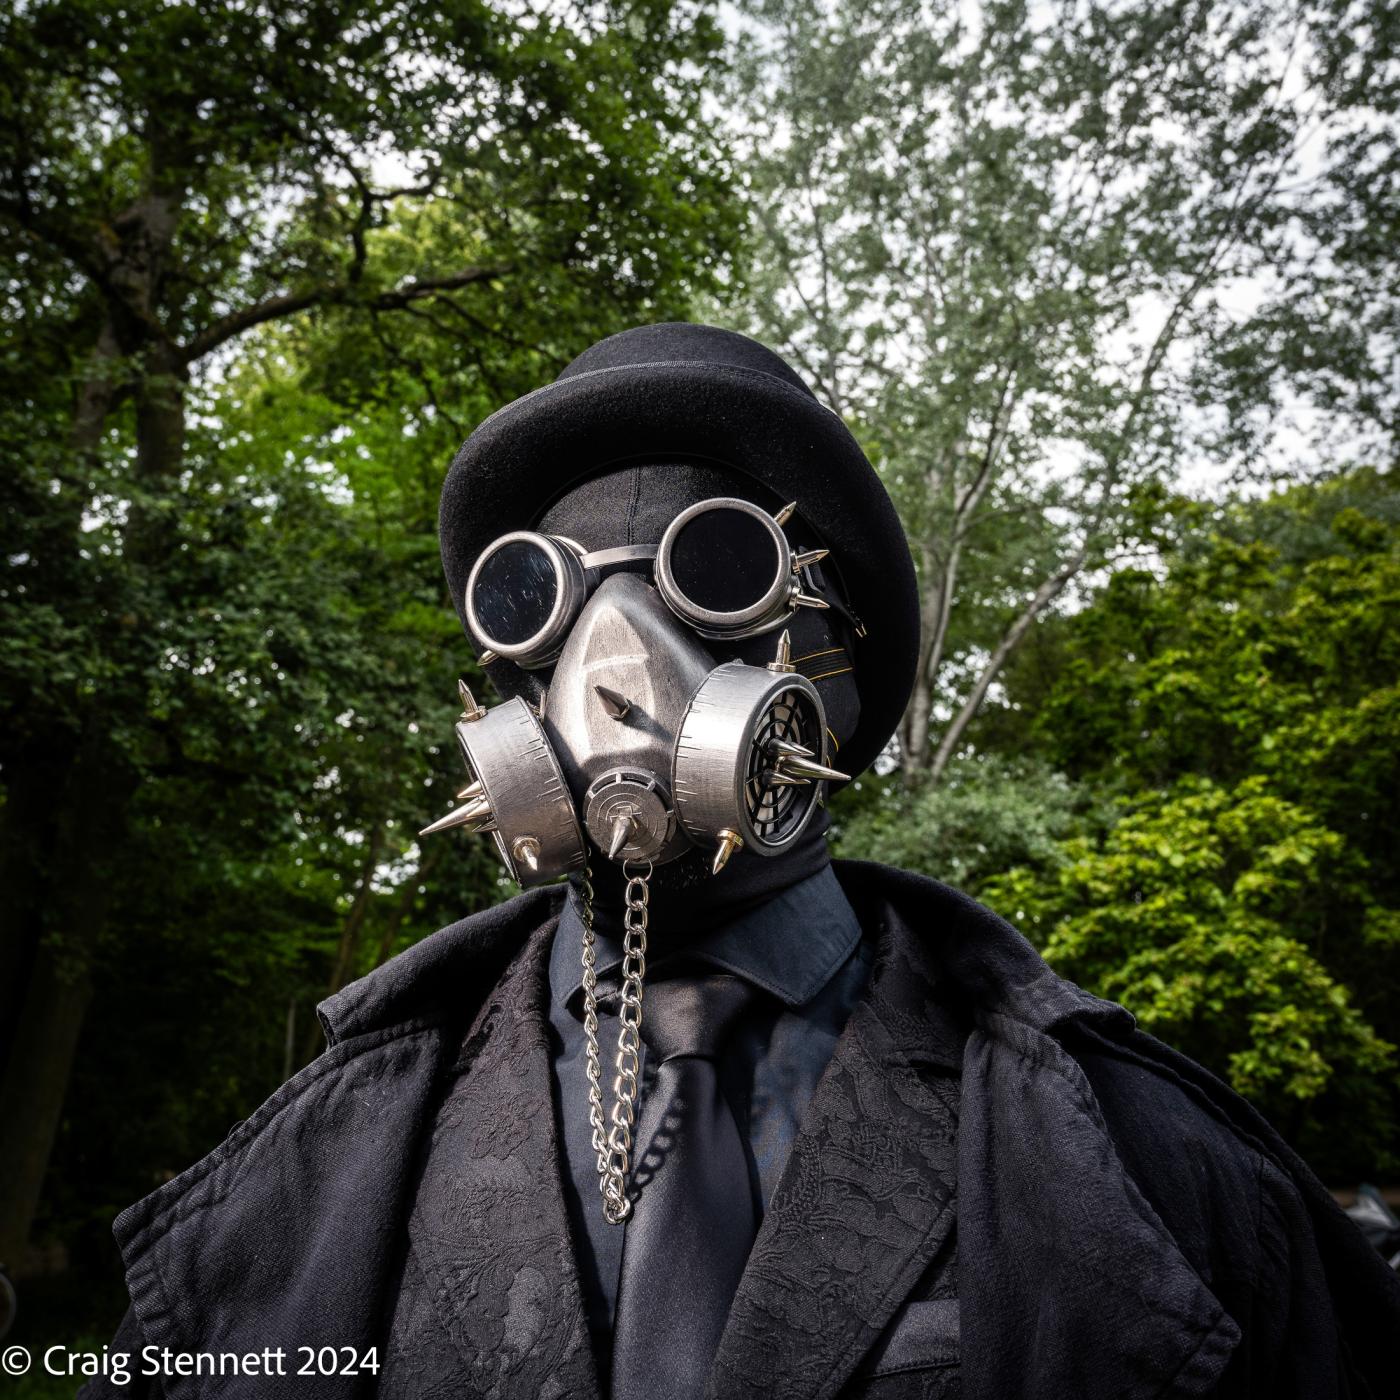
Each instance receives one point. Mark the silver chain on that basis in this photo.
(614, 1147)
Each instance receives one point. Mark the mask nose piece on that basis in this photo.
(616, 698)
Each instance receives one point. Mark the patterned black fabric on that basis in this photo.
(490, 1301)
(865, 1211)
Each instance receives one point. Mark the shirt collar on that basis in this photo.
(791, 946)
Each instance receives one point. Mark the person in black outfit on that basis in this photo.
(880, 1149)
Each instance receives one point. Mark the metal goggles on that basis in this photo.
(723, 567)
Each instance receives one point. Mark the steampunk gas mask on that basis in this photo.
(647, 743)
(677, 654)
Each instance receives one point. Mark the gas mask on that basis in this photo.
(642, 747)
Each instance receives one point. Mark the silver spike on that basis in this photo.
(476, 808)
(470, 709)
(469, 814)
(790, 766)
(784, 515)
(808, 557)
(471, 792)
(618, 706)
(526, 850)
(729, 842)
(806, 600)
(781, 746)
(622, 831)
(782, 659)
(487, 657)
(773, 778)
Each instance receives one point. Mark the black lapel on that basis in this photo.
(1069, 1282)
(866, 1199)
(489, 1231)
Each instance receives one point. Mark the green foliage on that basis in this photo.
(262, 268)
(1270, 647)
(1244, 703)
(273, 143)
(987, 815)
(1008, 242)
(1208, 912)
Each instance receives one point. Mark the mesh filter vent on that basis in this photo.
(775, 809)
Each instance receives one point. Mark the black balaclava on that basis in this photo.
(634, 505)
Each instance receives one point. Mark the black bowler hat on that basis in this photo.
(677, 391)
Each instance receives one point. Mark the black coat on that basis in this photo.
(1126, 1226)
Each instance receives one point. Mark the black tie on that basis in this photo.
(693, 1222)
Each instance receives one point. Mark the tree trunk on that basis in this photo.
(1010, 640)
(70, 893)
(26, 853)
(919, 715)
(940, 575)
(35, 1086)
(71, 907)
(399, 912)
(352, 931)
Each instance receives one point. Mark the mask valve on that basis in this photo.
(749, 759)
(628, 815)
(518, 793)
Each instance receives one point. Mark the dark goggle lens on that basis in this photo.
(724, 560)
(515, 592)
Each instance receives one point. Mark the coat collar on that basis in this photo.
(1068, 1281)
(1072, 1285)
(992, 968)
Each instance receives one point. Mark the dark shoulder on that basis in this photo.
(1196, 1165)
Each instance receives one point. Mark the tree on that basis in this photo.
(176, 177)
(992, 813)
(1269, 648)
(1207, 912)
(1186, 795)
(1044, 256)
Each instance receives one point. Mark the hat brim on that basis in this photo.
(527, 454)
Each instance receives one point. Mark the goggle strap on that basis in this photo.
(818, 665)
